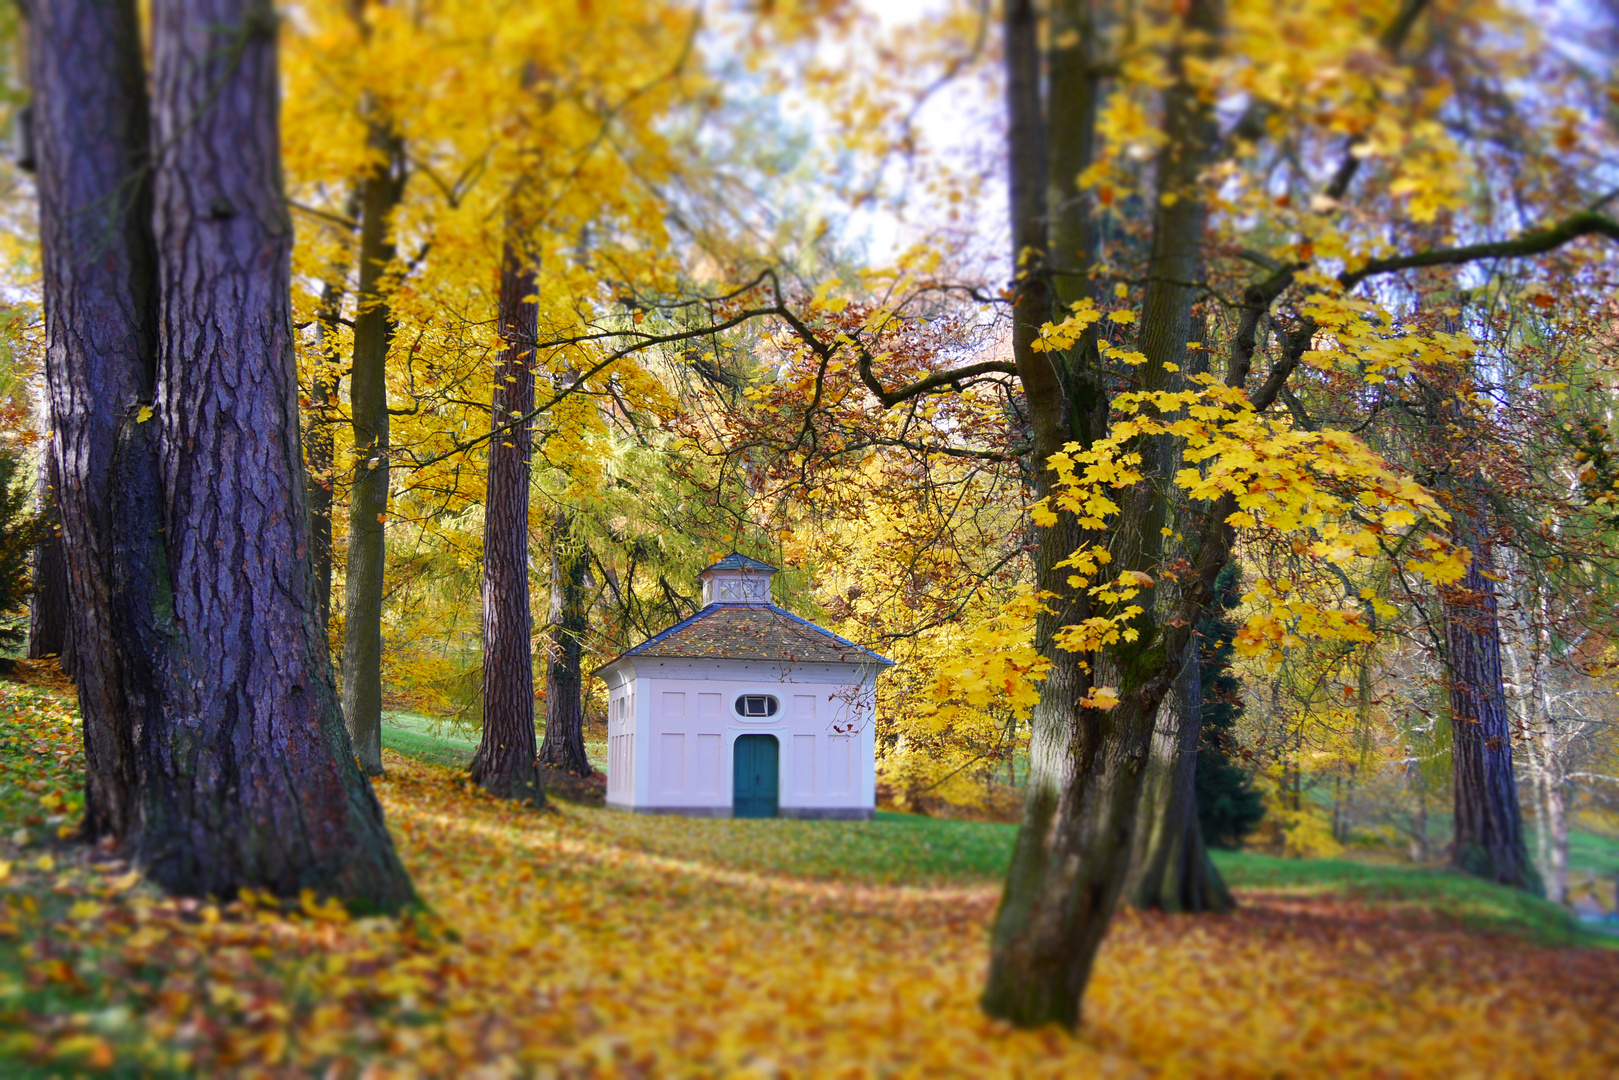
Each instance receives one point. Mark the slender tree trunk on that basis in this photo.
(1086, 764)
(1171, 869)
(1074, 78)
(318, 454)
(90, 116)
(564, 745)
(504, 764)
(50, 631)
(1489, 840)
(1557, 826)
(246, 773)
(368, 498)
(1419, 820)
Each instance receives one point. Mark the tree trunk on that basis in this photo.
(49, 623)
(318, 454)
(1419, 820)
(90, 117)
(1489, 840)
(1086, 764)
(246, 772)
(1171, 869)
(368, 498)
(1557, 826)
(504, 764)
(564, 745)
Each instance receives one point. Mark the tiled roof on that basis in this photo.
(754, 632)
(735, 561)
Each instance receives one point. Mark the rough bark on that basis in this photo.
(1489, 840)
(1170, 867)
(368, 497)
(504, 764)
(49, 623)
(246, 774)
(90, 111)
(564, 745)
(1087, 764)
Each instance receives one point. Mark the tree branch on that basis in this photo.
(1585, 223)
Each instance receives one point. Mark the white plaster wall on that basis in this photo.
(678, 744)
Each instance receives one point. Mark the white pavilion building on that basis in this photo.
(743, 710)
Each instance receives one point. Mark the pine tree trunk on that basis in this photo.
(504, 764)
(49, 622)
(564, 745)
(368, 498)
(90, 117)
(246, 773)
(1171, 869)
(1489, 841)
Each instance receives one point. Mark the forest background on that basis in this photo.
(586, 296)
(660, 162)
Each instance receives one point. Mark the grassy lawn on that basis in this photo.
(896, 849)
(1591, 853)
(426, 739)
(1451, 898)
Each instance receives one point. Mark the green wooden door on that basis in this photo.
(755, 785)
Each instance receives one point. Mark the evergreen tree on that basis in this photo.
(1228, 805)
(19, 531)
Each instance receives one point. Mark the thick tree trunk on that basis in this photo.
(564, 745)
(368, 498)
(504, 764)
(246, 772)
(90, 117)
(49, 623)
(1489, 840)
(1086, 764)
(1170, 868)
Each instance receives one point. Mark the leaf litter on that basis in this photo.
(551, 951)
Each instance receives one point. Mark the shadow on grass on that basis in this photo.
(909, 849)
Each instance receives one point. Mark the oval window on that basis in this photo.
(757, 706)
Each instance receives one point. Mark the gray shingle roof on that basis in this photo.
(754, 632)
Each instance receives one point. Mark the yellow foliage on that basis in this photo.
(1317, 487)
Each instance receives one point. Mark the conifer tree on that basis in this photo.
(1228, 805)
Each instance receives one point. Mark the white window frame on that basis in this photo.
(736, 711)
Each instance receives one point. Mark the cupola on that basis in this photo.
(737, 579)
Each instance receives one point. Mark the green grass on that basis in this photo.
(892, 849)
(1592, 853)
(437, 741)
(1450, 897)
(427, 740)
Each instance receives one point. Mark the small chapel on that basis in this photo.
(743, 710)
